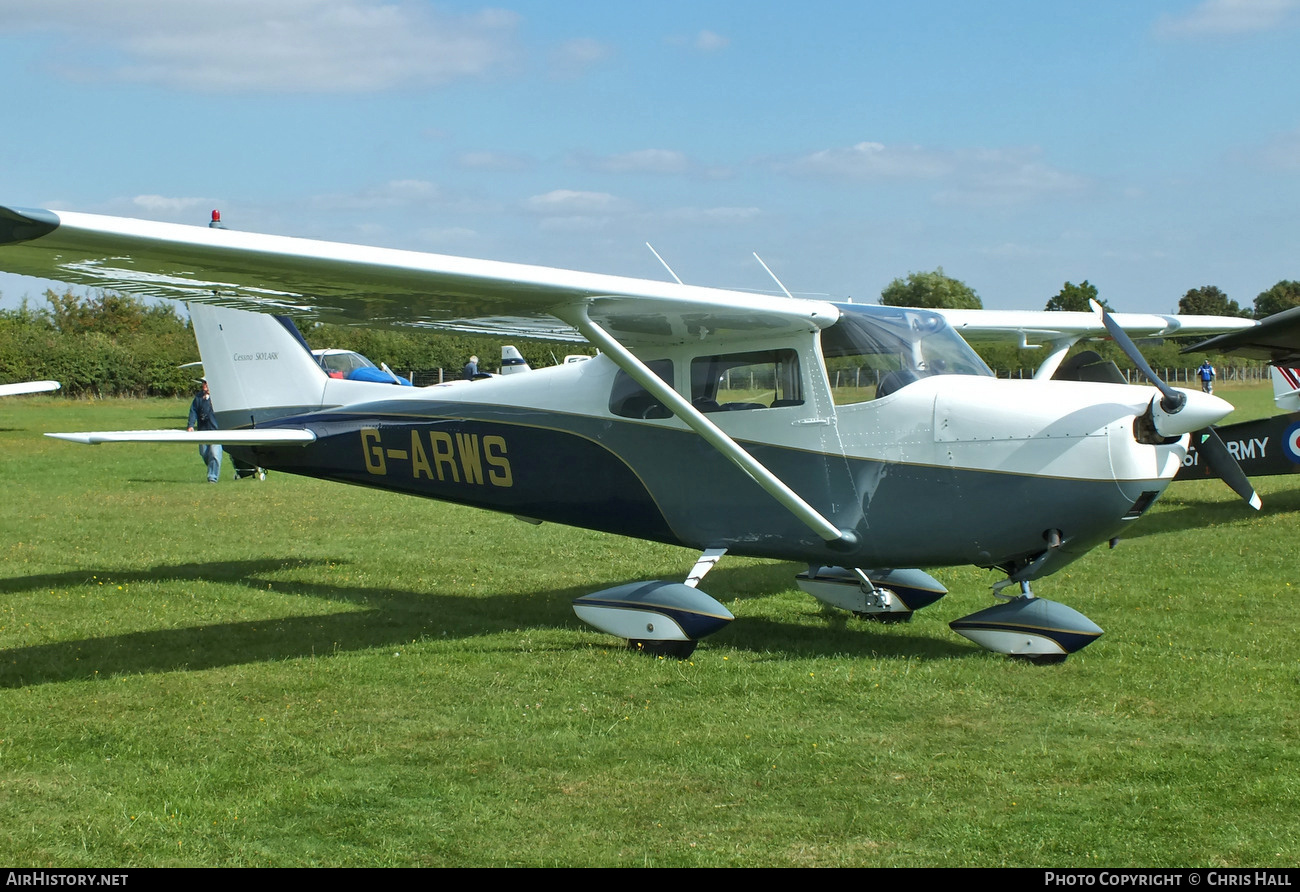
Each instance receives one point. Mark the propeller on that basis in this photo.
(1210, 445)
(1177, 412)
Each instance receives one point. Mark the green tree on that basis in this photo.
(1282, 296)
(933, 290)
(1209, 301)
(1076, 298)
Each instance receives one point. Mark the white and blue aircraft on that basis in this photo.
(866, 442)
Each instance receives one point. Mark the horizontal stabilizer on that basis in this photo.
(252, 437)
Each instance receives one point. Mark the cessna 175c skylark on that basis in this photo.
(865, 442)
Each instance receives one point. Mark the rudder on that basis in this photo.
(1286, 388)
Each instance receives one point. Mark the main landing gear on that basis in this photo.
(887, 596)
(660, 618)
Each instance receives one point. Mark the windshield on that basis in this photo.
(873, 351)
(343, 361)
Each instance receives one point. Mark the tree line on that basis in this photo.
(939, 291)
(109, 344)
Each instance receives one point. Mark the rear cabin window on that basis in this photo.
(763, 379)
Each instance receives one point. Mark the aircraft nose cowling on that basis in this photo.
(1199, 411)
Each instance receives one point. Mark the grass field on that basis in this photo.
(301, 673)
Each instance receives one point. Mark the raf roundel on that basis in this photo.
(1291, 443)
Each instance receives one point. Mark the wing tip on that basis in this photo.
(84, 439)
(24, 224)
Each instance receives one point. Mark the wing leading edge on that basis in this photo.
(1060, 330)
(354, 284)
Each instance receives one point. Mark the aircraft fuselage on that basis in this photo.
(1009, 461)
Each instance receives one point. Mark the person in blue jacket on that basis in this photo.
(204, 419)
(1206, 371)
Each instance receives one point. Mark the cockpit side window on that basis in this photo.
(760, 379)
(873, 352)
(630, 400)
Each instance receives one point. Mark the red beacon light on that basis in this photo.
(216, 221)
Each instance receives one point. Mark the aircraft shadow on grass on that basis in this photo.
(1201, 513)
(392, 618)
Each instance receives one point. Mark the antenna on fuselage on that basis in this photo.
(773, 275)
(664, 262)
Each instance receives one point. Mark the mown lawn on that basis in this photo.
(301, 673)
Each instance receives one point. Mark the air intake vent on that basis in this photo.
(1140, 506)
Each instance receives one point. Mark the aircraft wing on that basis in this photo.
(352, 284)
(28, 387)
(1275, 339)
(1032, 328)
(249, 437)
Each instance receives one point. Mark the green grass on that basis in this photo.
(301, 673)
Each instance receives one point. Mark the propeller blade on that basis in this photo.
(1215, 452)
(1177, 412)
(1172, 400)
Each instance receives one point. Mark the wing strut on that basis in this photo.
(712, 434)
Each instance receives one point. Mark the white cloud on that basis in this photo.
(573, 58)
(494, 161)
(871, 160)
(393, 194)
(307, 46)
(651, 161)
(715, 215)
(644, 161)
(570, 202)
(166, 206)
(1220, 17)
(707, 41)
(1006, 177)
(702, 41)
(1280, 154)
(964, 176)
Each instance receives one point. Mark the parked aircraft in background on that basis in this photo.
(1265, 446)
(866, 442)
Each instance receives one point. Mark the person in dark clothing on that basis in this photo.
(471, 369)
(202, 418)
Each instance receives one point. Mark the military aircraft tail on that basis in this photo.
(1286, 388)
(257, 366)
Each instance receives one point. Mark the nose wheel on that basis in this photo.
(1029, 628)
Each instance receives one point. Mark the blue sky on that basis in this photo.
(1147, 147)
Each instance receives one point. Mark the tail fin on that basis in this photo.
(257, 366)
(1286, 388)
